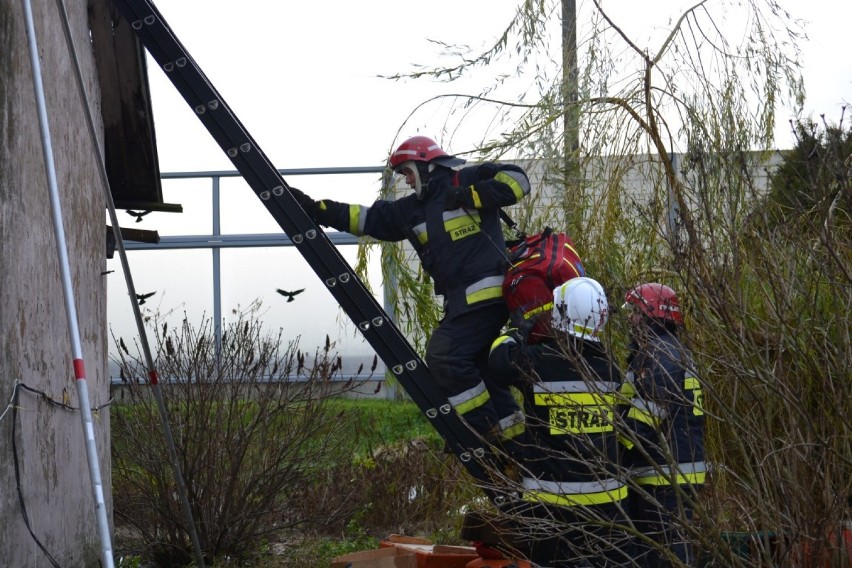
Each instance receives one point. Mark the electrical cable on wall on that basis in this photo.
(13, 406)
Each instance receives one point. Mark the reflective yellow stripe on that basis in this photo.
(693, 384)
(500, 340)
(627, 394)
(573, 399)
(517, 417)
(644, 417)
(477, 202)
(569, 263)
(684, 473)
(569, 247)
(504, 177)
(598, 498)
(514, 431)
(583, 330)
(456, 213)
(527, 259)
(488, 288)
(354, 219)
(421, 233)
(641, 410)
(608, 388)
(680, 479)
(541, 309)
(462, 226)
(485, 294)
(473, 403)
(457, 223)
(470, 399)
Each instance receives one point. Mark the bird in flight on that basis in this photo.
(142, 297)
(137, 214)
(289, 295)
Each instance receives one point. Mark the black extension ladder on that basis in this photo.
(322, 256)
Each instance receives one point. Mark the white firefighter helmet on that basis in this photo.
(580, 308)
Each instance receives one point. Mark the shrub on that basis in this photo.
(252, 428)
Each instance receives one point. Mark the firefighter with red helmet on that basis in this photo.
(574, 494)
(453, 222)
(666, 455)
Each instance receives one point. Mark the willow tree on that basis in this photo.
(676, 138)
(705, 88)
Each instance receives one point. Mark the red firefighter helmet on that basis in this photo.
(656, 301)
(421, 149)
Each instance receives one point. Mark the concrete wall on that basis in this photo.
(35, 346)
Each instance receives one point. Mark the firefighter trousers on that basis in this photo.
(457, 356)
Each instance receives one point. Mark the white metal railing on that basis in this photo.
(217, 241)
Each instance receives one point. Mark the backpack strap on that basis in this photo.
(508, 220)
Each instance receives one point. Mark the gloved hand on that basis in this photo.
(517, 336)
(309, 205)
(507, 357)
(521, 326)
(525, 326)
(454, 198)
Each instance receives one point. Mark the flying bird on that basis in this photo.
(137, 214)
(289, 295)
(142, 297)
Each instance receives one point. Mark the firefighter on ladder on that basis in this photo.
(452, 221)
(574, 494)
(666, 455)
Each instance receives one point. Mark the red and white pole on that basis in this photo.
(70, 310)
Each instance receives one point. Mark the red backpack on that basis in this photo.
(538, 264)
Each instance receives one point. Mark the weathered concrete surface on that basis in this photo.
(35, 346)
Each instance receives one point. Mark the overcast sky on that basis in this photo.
(303, 77)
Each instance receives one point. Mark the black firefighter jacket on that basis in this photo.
(454, 227)
(570, 391)
(666, 411)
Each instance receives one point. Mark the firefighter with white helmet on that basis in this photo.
(580, 308)
(667, 451)
(571, 483)
(452, 221)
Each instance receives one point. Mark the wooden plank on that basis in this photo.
(130, 144)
